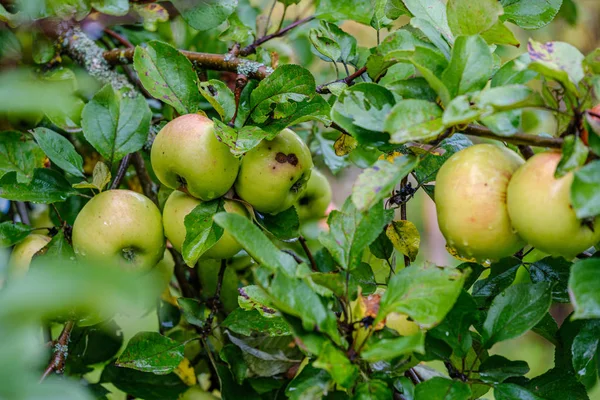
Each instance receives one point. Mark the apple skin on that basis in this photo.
(178, 205)
(196, 393)
(470, 197)
(540, 209)
(187, 154)
(275, 173)
(121, 227)
(23, 252)
(313, 203)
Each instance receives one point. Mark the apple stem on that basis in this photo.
(121, 172)
(313, 263)
(61, 351)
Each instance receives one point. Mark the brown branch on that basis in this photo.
(240, 84)
(119, 38)
(526, 151)
(181, 271)
(121, 172)
(519, 138)
(313, 263)
(61, 351)
(148, 186)
(216, 300)
(215, 62)
(347, 80)
(251, 48)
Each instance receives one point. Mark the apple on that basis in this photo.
(208, 273)
(196, 393)
(401, 324)
(540, 208)
(23, 252)
(274, 174)
(313, 203)
(470, 197)
(120, 227)
(187, 155)
(178, 205)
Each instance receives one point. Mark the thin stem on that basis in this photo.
(313, 263)
(403, 215)
(121, 39)
(180, 273)
(148, 187)
(57, 213)
(526, 151)
(282, 19)
(251, 48)
(323, 89)
(61, 351)
(240, 83)
(121, 172)
(270, 15)
(519, 138)
(216, 300)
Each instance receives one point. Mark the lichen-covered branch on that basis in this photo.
(61, 351)
(215, 62)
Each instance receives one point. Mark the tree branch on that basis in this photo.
(215, 62)
(216, 300)
(518, 139)
(148, 187)
(61, 351)
(121, 172)
(251, 48)
(323, 89)
(313, 263)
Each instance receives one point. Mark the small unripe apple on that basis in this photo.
(187, 155)
(22, 253)
(401, 324)
(178, 205)
(540, 209)
(470, 197)
(313, 203)
(275, 173)
(120, 227)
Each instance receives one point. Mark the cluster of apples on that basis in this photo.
(491, 203)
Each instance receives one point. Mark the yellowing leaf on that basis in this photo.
(390, 156)
(455, 254)
(405, 238)
(344, 145)
(185, 371)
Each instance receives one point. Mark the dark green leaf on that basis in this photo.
(382, 247)
(574, 154)
(46, 186)
(363, 276)
(530, 14)
(455, 327)
(314, 109)
(168, 76)
(310, 383)
(328, 37)
(557, 384)
(206, 14)
(334, 10)
(373, 389)
(511, 391)
(497, 369)
(230, 390)
(193, 311)
(58, 250)
(388, 349)
(428, 167)
(144, 385)
(283, 226)
(335, 362)
(584, 288)
(515, 311)
(59, 150)
(585, 190)
(12, 233)
(220, 97)
(555, 271)
(547, 328)
(252, 322)
(115, 125)
(201, 233)
(585, 349)
(502, 275)
(19, 155)
(425, 292)
(442, 389)
(470, 66)
(413, 88)
(239, 140)
(42, 48)
(151, 352)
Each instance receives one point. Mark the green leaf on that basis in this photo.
(431, 64)
(206, 14)
(58, 250)
(335, 362)
(514, 71)
(497, 369)
(557, 384)
(559, 61)
(511, 391)
(193, 311)
(379, 181)
(283, 226)
(414, 120)
(168, 76)
(584, 288)
(574, 154)
(515, 311)
(333, 43)
(470, 18)
(314, 109)
(433, 11)
(502, 275)
(288, 82)
(115, 125)
(59, 150)
(220, 97)
(19, 155)
(46, 186)
(42, 48)
(239, 140)
(201, 233)
(470, 67)
(388, 349)
(237, 31)
(310, 383)
(508, 97)
(251, 322)
(499, 33)
(144, 385)
(335, 10)
(555, 271)
(425, 292)
(351, 232)
(504, 123)
(151, 352)
(442, 389)
(428, 167)
(373, 389)
(461, 110)
(111, 7)
(585, 348)
(252, 297)
(432, 33)
(585, 190)
(361, 110)
(405, 238)
(400, 40)
(12, 233)
(530, 14)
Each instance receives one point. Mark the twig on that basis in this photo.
(313, 263)
(121, 172)
(61, 351)
(148, 187)
(412, 375)
(519, 138)
(347, 80)
(240, 83)
(216, 300)
(526, 151)
(22, 211)
(251, 48)
(121, 39)
(403, 215)
(295, 256)
(215, 62)
(180, 273)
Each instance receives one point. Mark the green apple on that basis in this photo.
(208, 273)
(187, 155)
(470, 197)
(178, 205)
(313, 203)
(540, 209)
(275, 173)
(20, 258)
(196, 393)
(121, 227)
